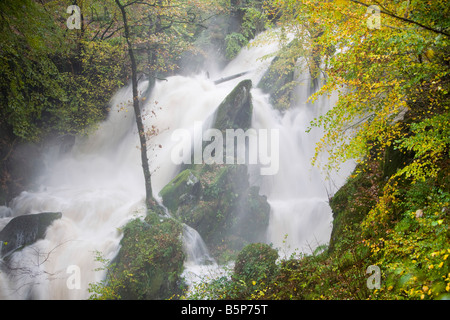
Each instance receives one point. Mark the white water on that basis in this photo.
(301, 218)
(99, 186)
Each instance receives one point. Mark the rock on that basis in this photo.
(279, 80)
(221, 206)
(150, 261)
(419, 213)
(25, 230)
(235, 112)
(276, 84)
(185, 187)
(353, 201)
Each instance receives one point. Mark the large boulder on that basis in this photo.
(25, 230)
(185, 187)
(221, 205)
(235, 112)
(278, 84)
(151, 257)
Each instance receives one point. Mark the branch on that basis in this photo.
(405, 19)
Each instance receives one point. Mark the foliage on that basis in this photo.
(161, 31)
(106, 289)
(234, 43)
(414, 252)
(408, 241)
(52, 82)
(376, 72)
(149, 263)
(254, 20)
(255, 263)
(255, 267)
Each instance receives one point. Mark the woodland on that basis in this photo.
(387, 60)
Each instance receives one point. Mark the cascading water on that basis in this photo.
(301, 218)
(99, 185)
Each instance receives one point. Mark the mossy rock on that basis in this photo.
(224, 209)
(353, 201)
(279, 79)
(276, 84)
(151, 258)
(24, 230)
(235, 112)
(184, 187)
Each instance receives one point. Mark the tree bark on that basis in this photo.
(149, 200)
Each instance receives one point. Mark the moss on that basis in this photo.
(151, 258)
(256, 262)
(354, 200)
(276, 84)
(226, 211)
(184, 183)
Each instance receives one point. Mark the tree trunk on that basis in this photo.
(137, 111)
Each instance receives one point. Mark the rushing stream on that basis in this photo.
(99, 185)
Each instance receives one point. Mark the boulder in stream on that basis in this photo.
(25, 230)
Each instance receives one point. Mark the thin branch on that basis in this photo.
(405, 19)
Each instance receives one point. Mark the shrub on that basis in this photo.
(255, 263)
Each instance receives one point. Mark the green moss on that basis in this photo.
(352, 202)
(222, 206)
(256, 263)
(184, 183)
(151, 258)
(279, 85)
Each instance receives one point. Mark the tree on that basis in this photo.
(137, 108)
(162, 30)
(54, 82)
(381, 73)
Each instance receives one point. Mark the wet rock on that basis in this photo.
(25, 230)
(235, 112)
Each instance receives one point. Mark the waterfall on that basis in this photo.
(99, 185)
(301, 218)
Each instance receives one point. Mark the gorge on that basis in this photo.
(98, 185)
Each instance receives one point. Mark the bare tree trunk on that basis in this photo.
(137, 111)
